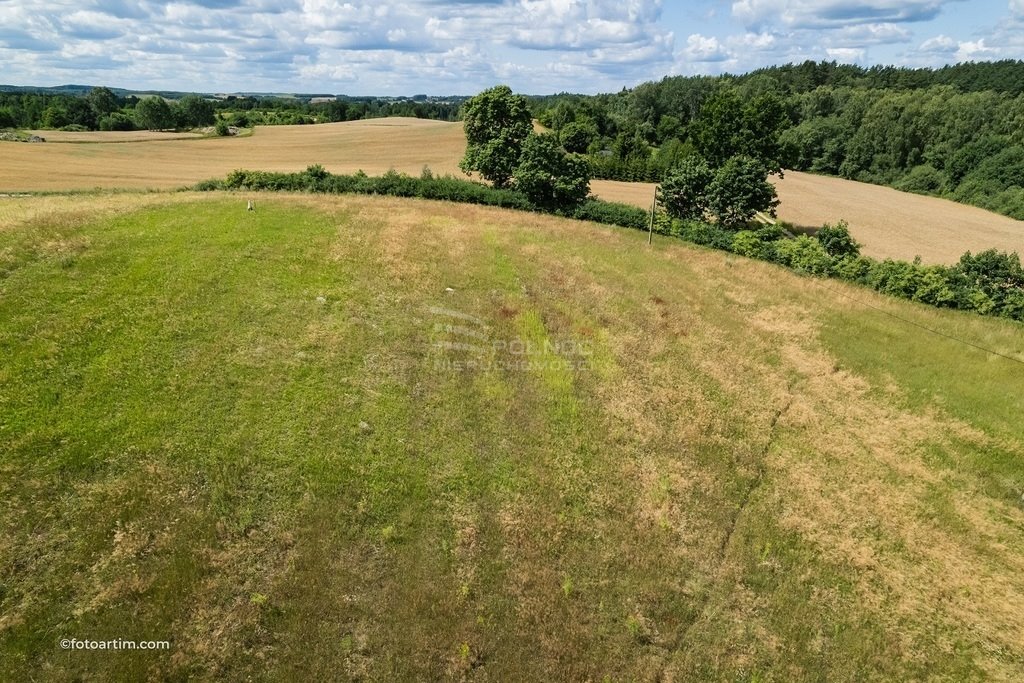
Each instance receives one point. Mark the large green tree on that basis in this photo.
(739, 190)
(550, 178)
(683, 192)
(154, 113)
(497, 122)
(193, 111)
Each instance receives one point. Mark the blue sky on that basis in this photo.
(461, 47)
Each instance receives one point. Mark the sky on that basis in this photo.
(461, 47)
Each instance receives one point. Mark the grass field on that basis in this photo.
(888, 223)
(368, 439)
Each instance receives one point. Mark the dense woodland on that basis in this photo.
(956, 132)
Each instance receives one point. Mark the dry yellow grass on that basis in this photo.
(888, 223)
(113, 135)
(374, 146)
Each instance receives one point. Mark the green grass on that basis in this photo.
(236, 431)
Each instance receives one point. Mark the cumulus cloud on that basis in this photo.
(453, 46)
(833, 13)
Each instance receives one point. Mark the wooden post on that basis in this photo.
(650, 229)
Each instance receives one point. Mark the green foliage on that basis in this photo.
(705, 234)
(153, 113)
(804, 254)
(551, 179)
(747, 243)
(222, 128)
(683, 192)
(117, 121)
(837, 240)
(497, 123)
(923, 179)
(577, 136)
(739, 190)
(611, 213)
(193, 111)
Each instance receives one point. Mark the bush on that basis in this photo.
(804, 254)
(116, 121)
(222, 128)
(853, 268)
(923, 179)
(749, 243)
(837, 241)
(706, 234)
(611, 213)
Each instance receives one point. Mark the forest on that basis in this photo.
(955, 132)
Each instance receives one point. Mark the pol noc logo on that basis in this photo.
(465, 342)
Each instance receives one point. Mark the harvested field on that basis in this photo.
(896, 224)
(887, 222)
(113, 136)
(374, 146)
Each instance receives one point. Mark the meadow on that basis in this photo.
(365, 438)
(889, 223)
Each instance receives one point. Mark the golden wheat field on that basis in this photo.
(888, 223)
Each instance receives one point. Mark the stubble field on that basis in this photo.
(888, 223)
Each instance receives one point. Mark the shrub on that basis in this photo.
(804, 254)
(222, 128)
(612, 213)
(706, 234)
(748, 243)
(923, 179)
(853, 268)
(837, 241)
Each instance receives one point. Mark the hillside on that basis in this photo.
(888, 223)
(389, 439)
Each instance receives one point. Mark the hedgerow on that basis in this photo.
(989, 283)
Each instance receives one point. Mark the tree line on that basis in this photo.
(101, 109)
(955, 132)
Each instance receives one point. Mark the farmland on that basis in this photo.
(249, 433)
(888, 223)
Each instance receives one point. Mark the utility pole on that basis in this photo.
(650, 228)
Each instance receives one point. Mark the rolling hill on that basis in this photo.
(382, 439)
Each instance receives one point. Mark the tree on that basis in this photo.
(497, 122)
(102, 101)
(683, 192)
(193, 112)
(576, 136)
(154, 113)
(550, 178)
(739, 190)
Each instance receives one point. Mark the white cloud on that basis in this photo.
(833, 13)
(704, 49)
(846, 54)
(939, 44)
